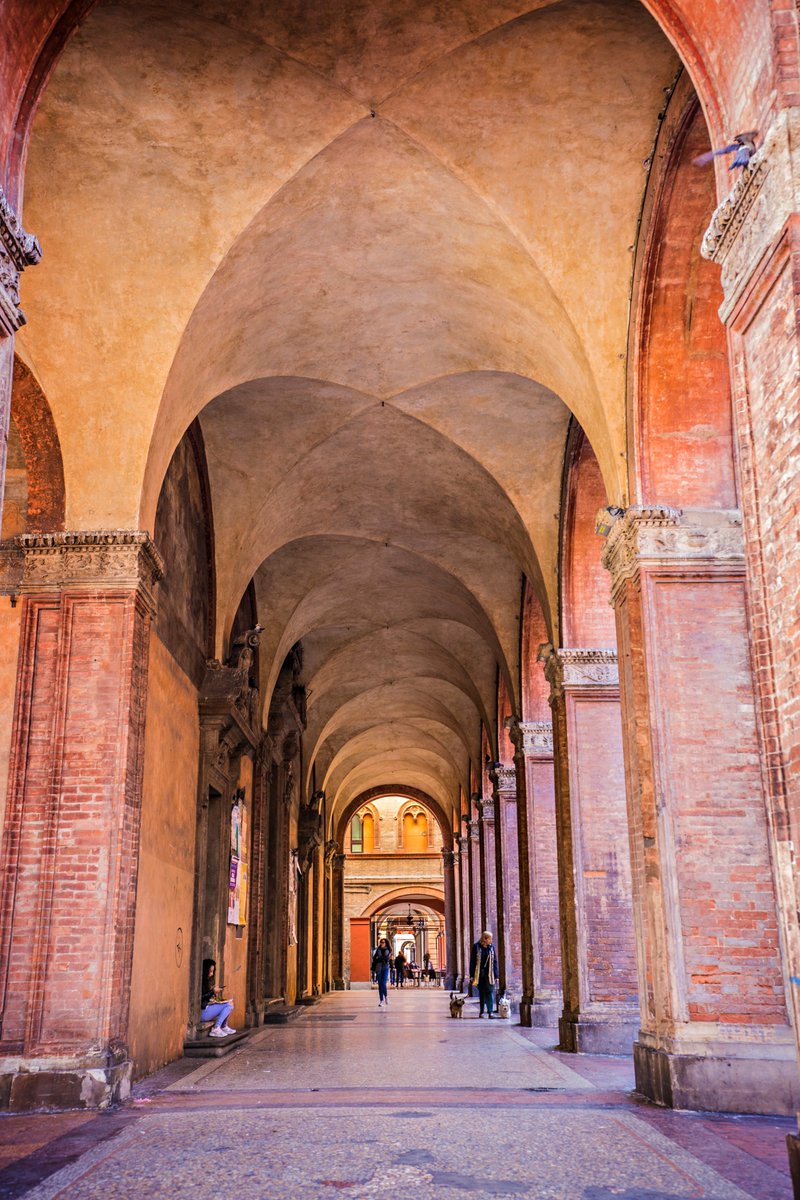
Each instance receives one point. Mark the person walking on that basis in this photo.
(400, 968)
(483, 972)
(381, 958)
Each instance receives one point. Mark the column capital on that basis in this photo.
(449, 858)
(18, 250)
(504, 777)
(487, 809)
(748, 220)
(578, 668)
(537, 738)
(656, 535)
(474, 829)
(90, 560)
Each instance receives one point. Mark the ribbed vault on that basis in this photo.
(377, 255)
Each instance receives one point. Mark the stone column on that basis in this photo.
(451, 929)
(71, 839)
(598, 958)
(465, 932)
(18, 250)
(488, 867)
(536, 740)
(504, 779)
(715, 1031)
(337, 921)
(476, 909)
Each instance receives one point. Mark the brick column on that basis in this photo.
(465, 929)
(538, 766)
(598, 958)
(450, 927)
(715, 1031)
(18, 250)
(510, 928)
(476, 910)
(488, 867)
(755, 237)
(337, 921)
(71, 838)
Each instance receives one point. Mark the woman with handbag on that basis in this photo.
(381, 958)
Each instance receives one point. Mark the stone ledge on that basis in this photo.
(69, 1088)
(717, 1084)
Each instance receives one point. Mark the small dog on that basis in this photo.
(456, 1005)
(504, 1007)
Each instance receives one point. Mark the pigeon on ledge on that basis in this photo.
(744, 146)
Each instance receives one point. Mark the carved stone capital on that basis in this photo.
(504, 778)
(18, 250)
(474, 830)
(570, 668)
(669, 536)
(90, 561)
(449, 859)
(537, 738)
(487, 809)
(463, 844)
(331, 850)
(750, 217)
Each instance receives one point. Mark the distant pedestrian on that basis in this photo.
(381, 957)
(400, 968)
(483, 972)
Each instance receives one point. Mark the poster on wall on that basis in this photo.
(237, 884)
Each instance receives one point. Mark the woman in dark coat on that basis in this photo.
(381, 958)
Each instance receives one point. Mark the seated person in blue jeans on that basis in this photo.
(211, 1008)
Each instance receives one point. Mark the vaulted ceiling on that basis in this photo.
(383, 252)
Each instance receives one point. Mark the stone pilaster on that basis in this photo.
(598, 960)
(714, 1022)
(476, 908)
(488, 865)
(535, 739)
(337, 920)
(450, 924)
(71, 839)
(504, 781)
(464, 931)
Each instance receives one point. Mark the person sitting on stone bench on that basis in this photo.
(212, 1006)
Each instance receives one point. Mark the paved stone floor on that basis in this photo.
(350, 1101)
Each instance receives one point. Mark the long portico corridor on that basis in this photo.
(350, 1101)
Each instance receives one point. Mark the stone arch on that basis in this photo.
(412, 793)
(416, 893)
(586, 617)
(367, 810)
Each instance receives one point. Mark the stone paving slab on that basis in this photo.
(474, 1154)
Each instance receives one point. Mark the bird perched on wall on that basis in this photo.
(743, 145)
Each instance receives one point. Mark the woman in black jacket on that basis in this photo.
(381, 958)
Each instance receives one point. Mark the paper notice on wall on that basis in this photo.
(234, 894)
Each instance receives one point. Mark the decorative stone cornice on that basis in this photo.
(18, 250)
(573, 668)
(504, 778)
(537, 738)
(661, 536)
(474, 829)
(89, 561)
(487, 808)
(751, 216)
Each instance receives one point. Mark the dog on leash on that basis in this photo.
(456, 1005)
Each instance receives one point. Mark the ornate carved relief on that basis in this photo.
(309, 829)
(753, 213)
(18, 250)
(669, 535)
(90, 561)
(474, 830)
(487, 809)
(448, 859)
(504, 778)
(537, 738)
(571, 668)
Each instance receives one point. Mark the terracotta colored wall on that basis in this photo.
(160, 981)
(587, 619)
(359, 949)
(546, 928)
(9, 650)
(685, 427)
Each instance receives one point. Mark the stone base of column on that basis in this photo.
(28, 1085)
(450, 982)
(339, 985)
(545, 1013)
(612, 1032)
(793, 1146)
(750, 1078)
